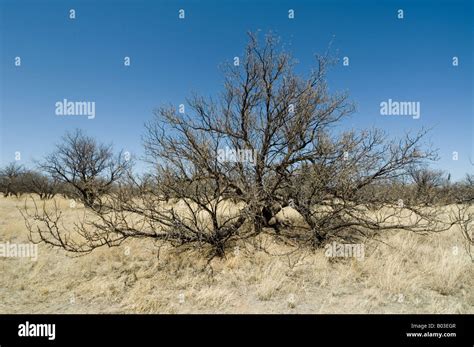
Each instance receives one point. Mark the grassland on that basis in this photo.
(401, 273)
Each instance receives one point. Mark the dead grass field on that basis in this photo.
(401, 273)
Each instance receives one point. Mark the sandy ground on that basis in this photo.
(406, 273)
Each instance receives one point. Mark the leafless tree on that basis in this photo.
(35, 182)
(89, 167)
(10, 179)
(428, 183)
(201, 190)
(266, 110)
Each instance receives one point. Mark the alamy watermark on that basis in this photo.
(19, 250)
(400, 108)
(345, 250)
(28, 329)
(232, 155)
(75, 108)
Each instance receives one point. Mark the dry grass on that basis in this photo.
(406, 273)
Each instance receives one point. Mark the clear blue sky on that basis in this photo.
(82, 59)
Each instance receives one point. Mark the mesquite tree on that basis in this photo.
(89, 167)
(224, 167)
(10, 179)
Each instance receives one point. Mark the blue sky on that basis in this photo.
(82, 59)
